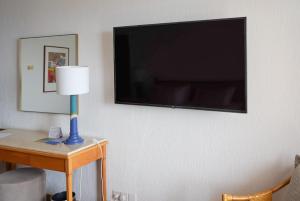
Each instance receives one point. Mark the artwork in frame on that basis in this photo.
(53, 57)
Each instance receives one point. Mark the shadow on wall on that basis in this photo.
(18, 102)
(260, 181)
(108, 66)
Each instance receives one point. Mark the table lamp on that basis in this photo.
(72, 80)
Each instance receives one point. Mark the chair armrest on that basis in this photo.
(263, 196)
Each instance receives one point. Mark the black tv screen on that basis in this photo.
(197, 64)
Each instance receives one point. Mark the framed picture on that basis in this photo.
(53, 57)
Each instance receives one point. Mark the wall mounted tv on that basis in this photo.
(197, 64)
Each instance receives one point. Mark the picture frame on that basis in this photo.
(32, 97)
(54, 56)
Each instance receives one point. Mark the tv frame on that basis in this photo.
(185, 107)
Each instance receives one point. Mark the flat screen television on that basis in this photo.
(196, 64)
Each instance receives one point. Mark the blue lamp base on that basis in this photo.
(74, 137)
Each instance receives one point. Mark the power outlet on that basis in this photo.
(132, 197)
(121, 196)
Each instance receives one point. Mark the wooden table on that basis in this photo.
(24, 147)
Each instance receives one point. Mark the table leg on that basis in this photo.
(69, 186)
(103, 163)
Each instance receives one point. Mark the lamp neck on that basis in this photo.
(74, 113)
(73, 104)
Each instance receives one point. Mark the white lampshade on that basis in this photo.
(72, 80)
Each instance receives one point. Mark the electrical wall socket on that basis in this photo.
(121, 196)
(132, 197)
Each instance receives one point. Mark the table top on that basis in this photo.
(30, 141)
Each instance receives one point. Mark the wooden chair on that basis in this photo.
(263, 196)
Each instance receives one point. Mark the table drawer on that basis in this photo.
(38, 161)
(14, 157)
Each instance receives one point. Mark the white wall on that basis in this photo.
(159, 153)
